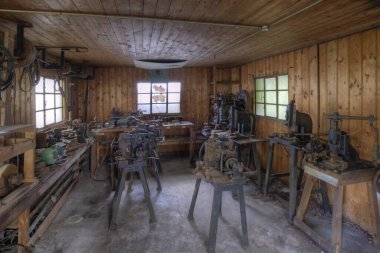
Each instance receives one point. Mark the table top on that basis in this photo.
(344, 178)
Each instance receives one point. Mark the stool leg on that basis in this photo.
(310, 180)
(130, 183)
(336, 240)
(116, 199)
(268, 172)
(243, 216)
(374, 211)
(294, 173)
(256, 162)
(147, 194)
(194, 199)
(156, 176)
(214, 219)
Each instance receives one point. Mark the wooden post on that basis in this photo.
(29, 158)
(336, 242)
(23, 230)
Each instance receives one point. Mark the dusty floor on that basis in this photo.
(82, 225)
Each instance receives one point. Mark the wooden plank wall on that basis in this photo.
(342, 76)
(116, 87)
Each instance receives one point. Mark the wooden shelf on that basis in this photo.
(16, 129)
(9, 151)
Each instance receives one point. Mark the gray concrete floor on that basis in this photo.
(82, 224)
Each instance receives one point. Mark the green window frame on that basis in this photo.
(159, 97)
(271, 96)
(49, 103)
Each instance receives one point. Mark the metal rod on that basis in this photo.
(118, 16)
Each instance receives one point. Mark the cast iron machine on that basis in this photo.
(300, 127)
(131, 153)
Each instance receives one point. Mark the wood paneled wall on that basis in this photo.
(342, 76)
(116, 87)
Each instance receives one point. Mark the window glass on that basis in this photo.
(143, 88)
(159, 97)
(50, 119)
(159, 108)
(144, 108)
(174, 87)
(49, 85)
(174, 97)
(260, 84)
(39, 102)
(174, 108)
(271, 111)
(48, 103)
(270, 83)
(40, 119)
(283, 82)
(271, 96)
(260, 109)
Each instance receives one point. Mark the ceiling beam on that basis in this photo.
(119, 16)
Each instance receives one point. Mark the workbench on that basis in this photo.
(104, 136)
(18, 203)
(338, 181)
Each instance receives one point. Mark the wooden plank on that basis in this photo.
(323, 87)
(332, 92)
(7, 152)
(343, 81)
(314, 89)
(369, 91)
(23, 230)
(305, 102)
(50, 217)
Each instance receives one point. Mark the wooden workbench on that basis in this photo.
(17, 204)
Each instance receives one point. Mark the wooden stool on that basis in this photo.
(238, 186)
(338, 181)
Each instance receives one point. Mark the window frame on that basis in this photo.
(151, 93)
(264, 90)
(54, 108)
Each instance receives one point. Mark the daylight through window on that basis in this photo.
(271, 96)
(160, 97)
(48, 103)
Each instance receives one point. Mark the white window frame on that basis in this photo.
(264, 91)
(151, 94)
(56, 92)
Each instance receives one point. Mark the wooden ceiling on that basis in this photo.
(204, 32)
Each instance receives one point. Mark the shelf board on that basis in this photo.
(9, 151)
(16, 128)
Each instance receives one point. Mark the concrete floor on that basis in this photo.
(82, 224)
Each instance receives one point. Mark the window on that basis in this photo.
(271, 96)
(48, 103)
(160, 97)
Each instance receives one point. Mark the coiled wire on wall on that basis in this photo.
(7, 71)
(33, 74)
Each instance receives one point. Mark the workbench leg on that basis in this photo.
(243, 216)
(374, 212)
(294, 173)
(160, 170)
(325, 197)
(268, 172)
(23, 230)
(336, 240)
(147, 194)
(194, 199)
(130, 182)
(156, 176)
(214, 219)
(310, 180)
(116, 199)
(256, 162)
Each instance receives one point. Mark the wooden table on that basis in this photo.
(16, 205)
(338, 181)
